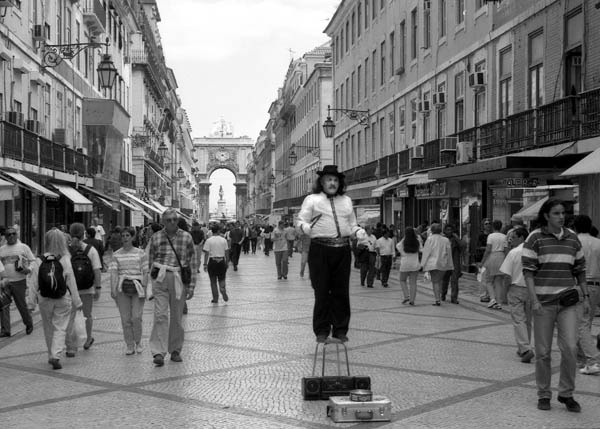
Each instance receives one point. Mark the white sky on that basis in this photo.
(230, 56)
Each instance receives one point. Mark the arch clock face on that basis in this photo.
(222, 156)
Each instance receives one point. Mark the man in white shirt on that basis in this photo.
(216, 260)
(16, 257)
(100, 233)
(328, 217)
(519, 300)
(367, 257)
(386, 251)
(591, 250)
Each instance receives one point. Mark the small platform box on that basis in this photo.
(342, 410)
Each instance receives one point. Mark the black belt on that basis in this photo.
(332, 242)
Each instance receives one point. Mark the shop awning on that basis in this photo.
(378, 192)
(159, 206)
(98, 193)
(588, 165)
(420, 179)
(80, 203)
(6, 190)
(531, 212)
(136, 200)
(106, 203)
(183, 215)
(130, 206)
(159, 175)
(29, 184)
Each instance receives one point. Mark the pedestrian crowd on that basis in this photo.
(547, 277)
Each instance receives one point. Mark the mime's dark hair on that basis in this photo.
(318, 186)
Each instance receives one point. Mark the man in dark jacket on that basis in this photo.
(452, 276)
(97, 244)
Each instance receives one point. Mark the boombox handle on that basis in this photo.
(337, 343)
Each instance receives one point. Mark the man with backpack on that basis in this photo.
(86, 267)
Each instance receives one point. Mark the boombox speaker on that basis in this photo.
(316, 388)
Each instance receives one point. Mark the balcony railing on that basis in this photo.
(25, 146)
(127, 179)
(94, 16)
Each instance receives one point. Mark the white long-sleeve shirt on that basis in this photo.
(317, 211)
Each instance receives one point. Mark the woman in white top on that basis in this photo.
(55, 312)
(437, 259)
(495, 251)
(409, 248)
(128, 279)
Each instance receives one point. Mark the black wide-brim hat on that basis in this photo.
(331, 169)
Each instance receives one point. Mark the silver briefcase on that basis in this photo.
(342, 410)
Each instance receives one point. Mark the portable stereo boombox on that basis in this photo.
(321, 388)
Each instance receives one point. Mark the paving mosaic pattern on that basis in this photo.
(452, 366)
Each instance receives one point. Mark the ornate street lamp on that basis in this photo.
(180, 173)
(54, 54)
(361, 116)
(293, 158)
(163, 149)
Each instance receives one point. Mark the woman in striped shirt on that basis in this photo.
(128, 279)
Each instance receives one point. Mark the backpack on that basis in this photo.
(51, 278)
(82, 267)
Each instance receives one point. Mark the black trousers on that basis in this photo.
(386, 266)
(236, 249)
(253, 244)
(329, 269)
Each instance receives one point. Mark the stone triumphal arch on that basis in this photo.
(221, 149)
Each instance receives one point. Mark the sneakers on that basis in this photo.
(225, 297)
(130, 350)
(405, 301)
(322, 338)
(572, 405)
(70, 354)
(139, 348)
(494, 305)
(159, 360)
(176, 357)
(544, 404)
(484, 299)
(527, 356)
(29, 329)
(88, 344)
(590, 369)
(55, 363)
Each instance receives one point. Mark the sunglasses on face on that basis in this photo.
(11, 233)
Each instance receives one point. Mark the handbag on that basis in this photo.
(568, 298)
(128, 287)
(186, 272)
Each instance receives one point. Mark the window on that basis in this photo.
(68, 27)
(343, 41)
(352, 151)
(459, 105)
(479, 4)
(413, 121)
(382, 65)
(402, 44)
(47, 107)
(358, 150)
(381, 4)
(374, 70)
(367, 14)
(374, 9)
(337, 49)
(366, 77)
(352, 82)
(426, 120)
(381, 137)
(427, 29)
(59, 110)
(536, 69)
(358, 83)
(441, 114)
(353, 23)
(373, 154)
(347, 36)
(347, 93)
(77, 40)
(59, 29)
(414, 28)
(358, 19)
(342, 105)
(392, 53)
(442, 15)
(460, 12)
(480, 97)
(505, 95)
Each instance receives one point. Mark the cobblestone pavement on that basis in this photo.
(452, 366)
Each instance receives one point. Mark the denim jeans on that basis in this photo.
(586, 345)
(281, 261)
(544, 320)
(367, 270)
(131, 308)
(519, 303)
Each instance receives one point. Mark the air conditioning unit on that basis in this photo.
(439, 99)
(448, 144)
(39, 33)
(15, 118)
(60, 136)
(399, 70)
(416, 152)
(427, 5)
(477, 80)
(33, 126)
(424, 106)
(464, 152)
(7, 3)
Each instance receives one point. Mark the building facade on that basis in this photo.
(476, 108)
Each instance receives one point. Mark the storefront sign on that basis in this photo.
(402, 191)
(429, 190)
(516, 182)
